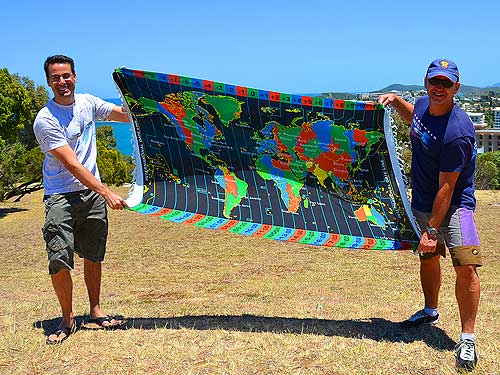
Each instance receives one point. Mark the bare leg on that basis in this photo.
(63, 286)
(467, 291)
(430, 279)
(92, 275)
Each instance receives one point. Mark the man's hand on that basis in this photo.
(114, 201)
(427, 244)
(386, 99)
(401, 106)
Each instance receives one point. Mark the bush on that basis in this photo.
(487, 175)
(114, 167)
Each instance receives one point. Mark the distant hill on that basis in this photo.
(400, 87)
(464, 89)
(338, 95)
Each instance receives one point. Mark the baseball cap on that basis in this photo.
(443, 67)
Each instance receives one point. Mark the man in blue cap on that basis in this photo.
(442, 174)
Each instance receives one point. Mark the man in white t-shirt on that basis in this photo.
(75, 199)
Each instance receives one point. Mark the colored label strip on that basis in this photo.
(271, 96)
(272, 232)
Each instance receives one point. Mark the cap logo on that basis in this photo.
(444, 64)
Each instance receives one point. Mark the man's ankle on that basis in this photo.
(467, 336)
(431, 311)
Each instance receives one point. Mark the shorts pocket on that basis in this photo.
(57, 251)
(55, 245)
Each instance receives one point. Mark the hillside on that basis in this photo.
(338, 95)
(400, 87)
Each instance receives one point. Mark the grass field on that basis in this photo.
(206, 302)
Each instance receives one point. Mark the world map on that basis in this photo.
(264, 163)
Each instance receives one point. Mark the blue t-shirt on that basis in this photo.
(441, 144)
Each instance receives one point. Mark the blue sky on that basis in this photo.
(288, 46)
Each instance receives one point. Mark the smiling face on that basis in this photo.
(441, 96)
(62, 82)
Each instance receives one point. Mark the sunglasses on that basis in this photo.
(434, 81)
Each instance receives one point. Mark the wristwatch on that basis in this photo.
(433, 232)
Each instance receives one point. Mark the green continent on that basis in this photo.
(228, 108)
(148, 104)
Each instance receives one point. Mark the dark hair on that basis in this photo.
(58, 59)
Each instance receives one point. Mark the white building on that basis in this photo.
(496, 118)
(477, 119)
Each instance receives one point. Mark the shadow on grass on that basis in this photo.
(377, 329)
(10, 210)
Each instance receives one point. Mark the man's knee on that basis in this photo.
(466, 272)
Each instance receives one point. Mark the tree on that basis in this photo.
(20, 158)
(20, 169)
(487, 174)
(20, 101)
(115, 168)
(488, 117)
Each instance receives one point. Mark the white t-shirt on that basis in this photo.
(74, 125)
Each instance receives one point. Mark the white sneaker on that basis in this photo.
(466, 354)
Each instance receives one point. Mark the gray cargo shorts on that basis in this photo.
(458, 233)
(75, 222)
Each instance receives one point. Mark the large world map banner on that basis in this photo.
(286, 167)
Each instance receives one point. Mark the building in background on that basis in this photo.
(478, 120)
(496, 118)
(488, 139)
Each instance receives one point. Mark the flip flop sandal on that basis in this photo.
(100, 321)
(67, 331)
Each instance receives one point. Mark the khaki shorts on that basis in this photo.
(457, 233)
(74, 223)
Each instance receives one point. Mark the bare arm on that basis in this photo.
(67, 156)
(440, 206)
(404, 108)
(118, 114)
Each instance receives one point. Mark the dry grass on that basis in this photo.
(204, 302)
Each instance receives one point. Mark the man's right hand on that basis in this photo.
(427, 243)
(114, 201)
